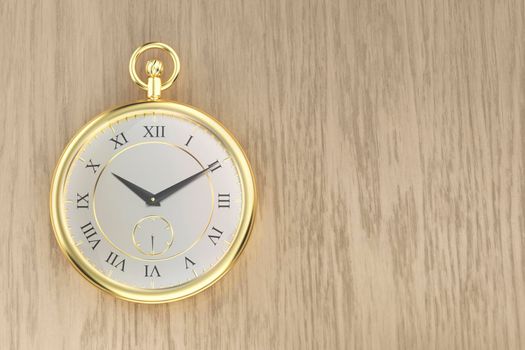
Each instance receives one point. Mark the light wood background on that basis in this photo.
(388, 142)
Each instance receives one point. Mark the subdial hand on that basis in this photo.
(152, 244)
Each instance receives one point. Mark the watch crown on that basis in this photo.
(154, 68)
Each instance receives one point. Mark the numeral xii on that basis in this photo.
(154, 130)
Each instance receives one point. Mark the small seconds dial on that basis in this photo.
(153, 235)
(153, 201)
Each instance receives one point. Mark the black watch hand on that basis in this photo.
(172, 189)
(146, 196)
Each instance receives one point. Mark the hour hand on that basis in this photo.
(146, 196)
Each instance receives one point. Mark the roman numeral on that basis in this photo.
(154, 131)
(186, 261)
(215, 236)
(115, 262)
(119, 140)
(82, 201)
(188, 142)
(91, 235)
(94, 167)
(224, 200)
(148, 273)
(214, 166)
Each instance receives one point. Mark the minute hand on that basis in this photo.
(172, 189)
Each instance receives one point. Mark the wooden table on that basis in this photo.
(387, 138)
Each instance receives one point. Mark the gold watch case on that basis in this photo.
(153, 106)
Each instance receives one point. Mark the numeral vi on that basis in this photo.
(151, 272)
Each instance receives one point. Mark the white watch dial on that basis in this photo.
(153, 201)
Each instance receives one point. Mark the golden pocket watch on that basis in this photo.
(153, 201)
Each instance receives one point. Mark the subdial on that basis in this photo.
(152, 235)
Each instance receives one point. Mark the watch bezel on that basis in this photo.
(118, 289)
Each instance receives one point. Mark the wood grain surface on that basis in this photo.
(387, 138)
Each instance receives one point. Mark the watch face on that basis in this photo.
(153, 200)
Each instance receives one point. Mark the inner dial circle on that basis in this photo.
(152, 165)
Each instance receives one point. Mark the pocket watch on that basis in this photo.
(153, 201)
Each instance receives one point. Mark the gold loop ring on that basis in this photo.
(156, 45)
